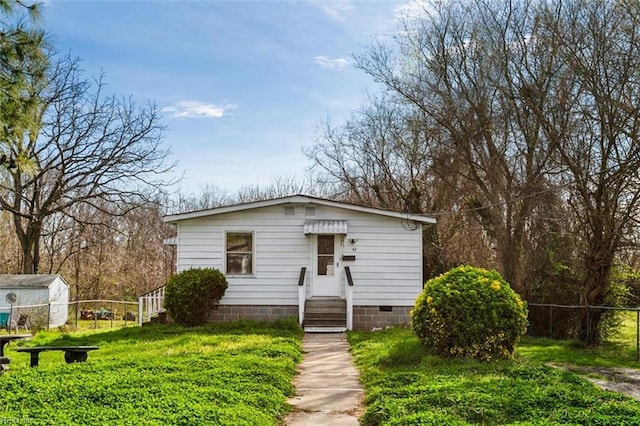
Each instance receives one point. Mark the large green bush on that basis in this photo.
(469, 312)
(191, 295)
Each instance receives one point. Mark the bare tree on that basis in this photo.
(279, 187)
(88, 148)
(206, 197)
(147, 258)
(377, 158)
(384, 156)
(107, 256)
(453, 117)
(599, 139)
(210, 196)
(530, 111)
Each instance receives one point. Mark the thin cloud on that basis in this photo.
(334, 64)
(195, 109)
(335, 9)
(413, 9)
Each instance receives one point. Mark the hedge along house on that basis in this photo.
(38, 296)
(333, 265)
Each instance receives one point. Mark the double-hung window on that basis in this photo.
(239, 251)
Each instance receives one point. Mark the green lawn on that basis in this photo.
(237, 374)
(83, 325)
(620, 350)
(406, 385)
(241, 374)
(86, 325)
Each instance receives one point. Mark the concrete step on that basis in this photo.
(325, 308)
(322, 315)
(311, 329)
(341, 320)
(325, 314)
(332, 310)
(325, 303)
(330, 322)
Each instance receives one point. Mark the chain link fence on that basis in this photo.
(77, 315)
(563, 321)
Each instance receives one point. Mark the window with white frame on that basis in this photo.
(239, 251)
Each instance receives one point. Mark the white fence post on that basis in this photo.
(140, 310)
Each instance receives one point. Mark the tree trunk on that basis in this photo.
(589, 333)
(30, 245)
(598, 267)
(433, 262)
(510, 256)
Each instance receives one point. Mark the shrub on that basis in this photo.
(192, 294)
(469, 312)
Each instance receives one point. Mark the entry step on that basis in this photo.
(325, 329)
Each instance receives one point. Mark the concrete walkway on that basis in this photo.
(327, 388)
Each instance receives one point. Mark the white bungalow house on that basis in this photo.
(333, 265)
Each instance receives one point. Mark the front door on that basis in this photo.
(326, 279)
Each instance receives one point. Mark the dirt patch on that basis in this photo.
(619, 379)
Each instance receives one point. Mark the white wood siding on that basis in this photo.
(388, 266)
(387, 269)
(59, 298)
(281, 249)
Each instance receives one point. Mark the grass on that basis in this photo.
(619, 350)
(84, 325)
(230, 374)
(406, 385)
(241, 374)
(610, 354)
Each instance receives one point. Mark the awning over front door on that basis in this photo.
(325, 227)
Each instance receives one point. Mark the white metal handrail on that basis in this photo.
(349, 296)
(150, 304)
(302, 293)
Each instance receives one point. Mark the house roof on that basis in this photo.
(296, 199)
(27, 281)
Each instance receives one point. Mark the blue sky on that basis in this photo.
(243, 85)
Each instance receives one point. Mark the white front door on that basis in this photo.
(326, 266)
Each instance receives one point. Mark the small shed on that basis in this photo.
(38, 296)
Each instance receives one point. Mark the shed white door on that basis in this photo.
(326, 279)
